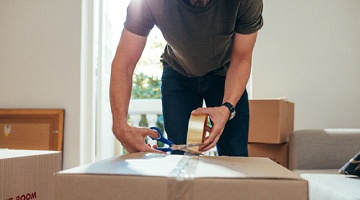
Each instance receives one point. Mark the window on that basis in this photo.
(112, 15)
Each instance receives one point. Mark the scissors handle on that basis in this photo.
(164, 149)
(162, 139)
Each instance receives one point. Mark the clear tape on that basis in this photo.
(181, 184)
(196, 130)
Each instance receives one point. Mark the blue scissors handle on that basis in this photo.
(162, 139)
(164, 149)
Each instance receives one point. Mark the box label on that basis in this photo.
(27, 196)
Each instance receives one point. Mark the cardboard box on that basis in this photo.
(271, 121)
(165, 177)
(28, 174)
(279, 153)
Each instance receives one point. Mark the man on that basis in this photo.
(208, 57)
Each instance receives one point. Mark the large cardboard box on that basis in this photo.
(28, 174)
(271, 121)
(142, 176)
(276, 152)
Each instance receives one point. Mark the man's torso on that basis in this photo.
(199, 39)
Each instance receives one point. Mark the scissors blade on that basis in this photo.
(192, 153)
(184, 147)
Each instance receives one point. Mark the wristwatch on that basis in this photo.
(231, 109)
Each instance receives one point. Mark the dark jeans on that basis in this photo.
(181, 95)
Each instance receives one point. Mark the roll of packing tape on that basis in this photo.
(196, 130)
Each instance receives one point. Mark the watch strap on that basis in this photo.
(231, 109)
(229, 106)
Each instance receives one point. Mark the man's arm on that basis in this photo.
(127, 55)
(239, 71)
(237, 77)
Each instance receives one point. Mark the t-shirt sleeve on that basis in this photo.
(249, 19)
(139, 19)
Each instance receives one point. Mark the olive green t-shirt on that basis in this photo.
(198, 39)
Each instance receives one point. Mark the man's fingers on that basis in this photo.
(136, 143)
(207, 129)
(207, 147)
(212, 139)
(153, 133)
(148, 148)
(209, 143)
(200, 111)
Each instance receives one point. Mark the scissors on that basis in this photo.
(172, 146)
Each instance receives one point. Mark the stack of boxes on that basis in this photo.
(271, 125)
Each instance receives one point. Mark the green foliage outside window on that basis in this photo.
(145, 87)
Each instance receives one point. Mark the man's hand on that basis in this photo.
(219, 117)
(133, 138)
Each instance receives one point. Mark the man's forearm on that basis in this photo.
(239, 70)
(127, 55)
(236, 80)
(120, 91)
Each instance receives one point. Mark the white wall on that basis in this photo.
(309, 52)
(40, 59)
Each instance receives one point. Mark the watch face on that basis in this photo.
(231, 109)
(232, 115)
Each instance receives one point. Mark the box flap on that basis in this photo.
(163, 165)
(242, 167)
(10, 153)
